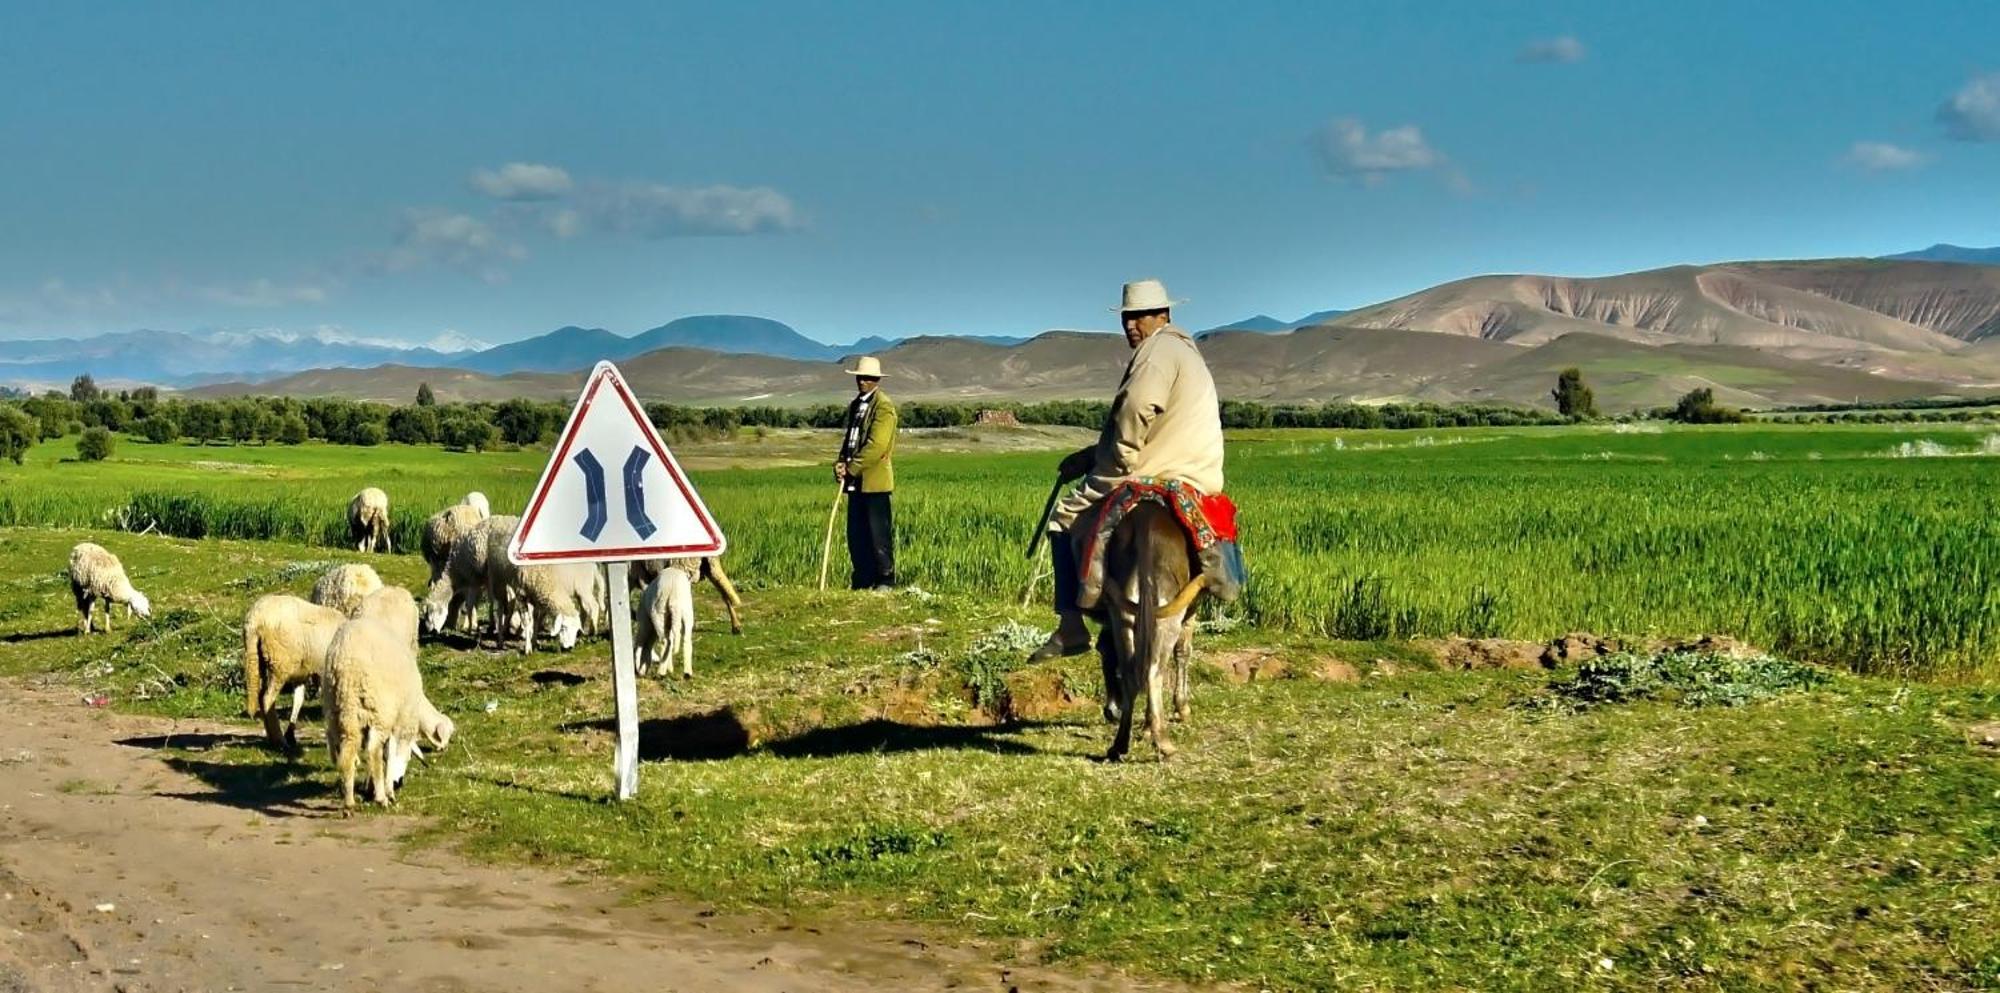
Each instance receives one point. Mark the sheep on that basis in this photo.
(642, 571)
(442, 529)
(343, 587)
(96, 574)
(666, 623)
(368, 520)
(394, 608)
(376, 708)
(284, 647)
(477, 501)
(453, 598)
(567, 597)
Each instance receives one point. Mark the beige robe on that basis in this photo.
(1165, 423)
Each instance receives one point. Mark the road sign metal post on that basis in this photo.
(624, 680)
(580, 513)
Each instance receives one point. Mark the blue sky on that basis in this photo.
(496, 170)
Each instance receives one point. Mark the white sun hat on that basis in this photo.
(1146, 294)
(867, 367)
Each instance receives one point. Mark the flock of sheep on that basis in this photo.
(356, 638)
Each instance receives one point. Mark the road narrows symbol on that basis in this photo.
(635, 492)
(593, 486)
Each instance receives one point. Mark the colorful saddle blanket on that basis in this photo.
(1209, 519)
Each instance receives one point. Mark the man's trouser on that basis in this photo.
(871, 540)
(1062, 553)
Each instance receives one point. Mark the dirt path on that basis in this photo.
(120, 872)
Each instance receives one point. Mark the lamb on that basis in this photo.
(376, 708)
(343, 587)
(642, 571)
(368, 520)
(567, 597)
(477, 501)
(666, 623)
(284, 647)
(96, 574)
(442, 529)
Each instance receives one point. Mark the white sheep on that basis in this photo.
(343, 587)
(477, 501)
(368, 520)
(566, 598)
(284, 648)
(394, 608)
(641, 571)
(96, 574)
(376, 708)
(442, 530)
(666, 623)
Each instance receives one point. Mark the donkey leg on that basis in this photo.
(1107, 654)
(1156, 688)
(1183, 657)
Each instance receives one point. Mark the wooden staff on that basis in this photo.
(826, 547)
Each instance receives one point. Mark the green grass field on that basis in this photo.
(1817, 541)
(1364, 821)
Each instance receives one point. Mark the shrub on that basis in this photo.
(95, 445)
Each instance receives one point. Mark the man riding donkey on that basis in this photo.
(1157, 464)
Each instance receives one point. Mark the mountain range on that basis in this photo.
(1759, 333)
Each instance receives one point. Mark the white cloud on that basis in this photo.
(1561, 49)
(565, 224)
(522, 181)
(262, 293)
(1973, 113)
(655, 210)
(1348, 151)
(1878, 157)
(437, 237)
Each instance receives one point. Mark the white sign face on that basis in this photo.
(612, 491)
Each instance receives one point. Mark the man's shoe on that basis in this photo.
(1055, 648)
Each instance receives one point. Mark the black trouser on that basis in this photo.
(871, 540)
(1062, 554)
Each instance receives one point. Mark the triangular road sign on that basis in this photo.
(612, 491)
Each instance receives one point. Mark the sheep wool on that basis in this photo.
(95, 574)
(368, 520)
(284, 647)
(343, 587)
(376, 710)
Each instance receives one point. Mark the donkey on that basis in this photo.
(1145, 633)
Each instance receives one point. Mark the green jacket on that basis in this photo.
(872, 462)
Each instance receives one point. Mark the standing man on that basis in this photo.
(868, 476)
(1165, 423)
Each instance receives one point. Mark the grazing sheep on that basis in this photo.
(477, 501)
(442, 530)
(368, 520)
(394, 608)
(376, 708)
(96, 574)
(567, 598)
(666, 623)
(642, 571)
(343, 587)
(284, 647)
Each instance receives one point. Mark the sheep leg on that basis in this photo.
(377, 751)
(107, 616)
(687, 648)
(267, 708)
(292, 726)
(347, 755)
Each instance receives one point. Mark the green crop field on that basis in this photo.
(1342, 814)
(1873, 548)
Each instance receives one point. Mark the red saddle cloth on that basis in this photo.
(1208, 518)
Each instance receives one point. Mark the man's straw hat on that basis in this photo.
(867, 367)
(1146, 294)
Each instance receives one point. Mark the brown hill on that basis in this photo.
(1758, 333)
(1815, 309)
